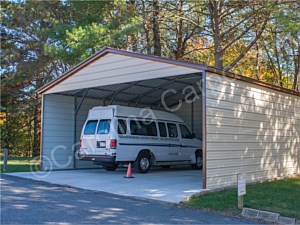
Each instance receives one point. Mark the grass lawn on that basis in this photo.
(19, 164)
(281, 196)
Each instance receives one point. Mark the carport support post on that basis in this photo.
(76, 109)
(204, 129)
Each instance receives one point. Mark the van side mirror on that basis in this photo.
(193, 135)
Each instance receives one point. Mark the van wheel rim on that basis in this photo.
(144, 163)
(199, 161)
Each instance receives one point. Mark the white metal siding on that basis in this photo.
(250, 129)
(57, 139)
(115, 69)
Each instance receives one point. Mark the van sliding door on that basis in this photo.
(174, 142)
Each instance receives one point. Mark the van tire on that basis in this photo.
(199, 161)
(142, 163)
(110, 168)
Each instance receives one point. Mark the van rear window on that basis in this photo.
(90, 127)
(144, 128)
(103, 127)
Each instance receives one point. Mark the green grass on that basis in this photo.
(20, 164)
(281, 196)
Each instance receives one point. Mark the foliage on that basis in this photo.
(43, 39)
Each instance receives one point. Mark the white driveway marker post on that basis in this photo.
(241, 182)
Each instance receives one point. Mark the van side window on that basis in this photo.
(145, 128)
(185, 132)
(172, 128)
(103, 127)
(90, 127)
(122, 127)
(162, 129)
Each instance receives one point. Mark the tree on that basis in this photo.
(25, 65)
(230, 22)
(94, 24)
(289, 22)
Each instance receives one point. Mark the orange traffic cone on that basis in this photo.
(129, 172)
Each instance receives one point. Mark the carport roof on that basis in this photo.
(145, 67)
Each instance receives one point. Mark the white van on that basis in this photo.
(114, 135)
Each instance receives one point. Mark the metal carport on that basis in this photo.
(247, 126)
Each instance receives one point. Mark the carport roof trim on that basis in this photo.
(191, 65)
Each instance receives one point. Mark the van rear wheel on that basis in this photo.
(143, 162)
(111, 168)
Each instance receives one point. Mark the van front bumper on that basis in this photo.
(98, 159)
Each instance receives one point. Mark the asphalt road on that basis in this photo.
(25, 201)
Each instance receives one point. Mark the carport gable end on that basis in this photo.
(110, 66)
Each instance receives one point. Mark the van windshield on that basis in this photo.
(90, 127)
(103, 127)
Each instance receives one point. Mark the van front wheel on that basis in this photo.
(143, 162)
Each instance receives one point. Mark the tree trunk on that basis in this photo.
(156, 31)
(127, 45)
(214, 9)
(134, 43)
(148, 46)
(180, 48)
(37, 127)
(257, 63)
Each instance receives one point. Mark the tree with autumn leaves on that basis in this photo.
(40, 40)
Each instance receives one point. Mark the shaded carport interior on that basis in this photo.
(69, 105)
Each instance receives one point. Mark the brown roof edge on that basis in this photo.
(106, 50)
(252, 81)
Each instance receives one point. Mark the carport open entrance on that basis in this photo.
(180, 95)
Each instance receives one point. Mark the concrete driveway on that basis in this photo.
(170, 185)
(25, 201)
